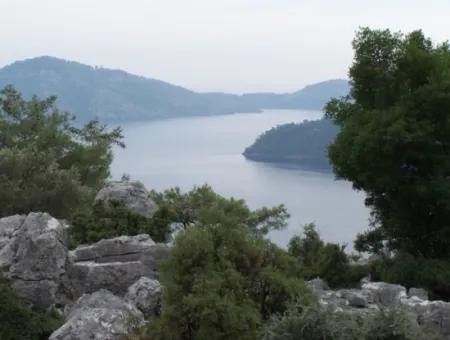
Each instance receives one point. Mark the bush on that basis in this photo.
(307, 320)
(18, 322)
(410, 271)
(102, 222)
(328, 261)
(222, 278)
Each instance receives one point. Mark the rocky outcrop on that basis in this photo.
(100, 315)
(432, 316)
(34, 255)
(146, 295)
(114, 264)
(132, 194)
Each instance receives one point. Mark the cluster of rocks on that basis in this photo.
(101, 289)
(432, 316)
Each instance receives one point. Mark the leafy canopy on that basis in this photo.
(46, 162)
(395, 139)
(222, 278)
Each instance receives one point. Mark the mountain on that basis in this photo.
(303, 145)
(118, 96)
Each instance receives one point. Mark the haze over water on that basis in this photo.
(192, 151)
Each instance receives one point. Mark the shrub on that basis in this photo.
(328, 261)
(411, 271)
(310, 321)
(115, 220)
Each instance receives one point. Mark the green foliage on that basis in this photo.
(18, 322)
(394, 140)
(222, 279)
(309, 321)
(102, 222)
(411, 271)
(327, 261)
(303, 144)
(47, 164)
(203, 205)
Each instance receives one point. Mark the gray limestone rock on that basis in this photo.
(146, 295)
(34, 257)
(133, 194)
(418, 292)
(100, 315)
(384, 293)
(114, 264)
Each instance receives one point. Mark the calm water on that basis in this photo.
(188, 151)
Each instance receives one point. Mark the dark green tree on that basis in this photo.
(394, 140)
(325, 260)
(222, 279)
(183, 209)
(46, 162)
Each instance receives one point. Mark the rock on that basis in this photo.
(418, 292)
(317, 285)
(8, 228)
(114, 264)
(100, 315)
(132, 194)
(357, 300)
(433, 317)
(146, 295)
(110, 250)
(384, 293)
(33, 255)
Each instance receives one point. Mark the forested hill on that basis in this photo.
(304, 144)
(117, 96)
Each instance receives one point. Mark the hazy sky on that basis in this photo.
(211, 45)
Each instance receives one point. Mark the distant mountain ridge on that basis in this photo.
(118, 96)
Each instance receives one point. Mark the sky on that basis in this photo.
(211, 45)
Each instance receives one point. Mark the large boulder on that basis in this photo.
(33, 255)
(114, 264)
(132, 194)
(146, 295)
(384, 293)
(100, 315)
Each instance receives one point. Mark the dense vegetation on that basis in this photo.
(303, 144)
(224, 279)
(47, 164)
(114, 95)
(394, 144)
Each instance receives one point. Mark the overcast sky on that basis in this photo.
(211, 45)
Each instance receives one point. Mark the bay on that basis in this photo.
(196, 150)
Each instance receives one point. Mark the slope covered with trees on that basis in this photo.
(117, 96)
(304, 145)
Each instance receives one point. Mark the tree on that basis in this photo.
(394, 140)
(46, 162)
(185, 209)
(222, 279)
(325, 260)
